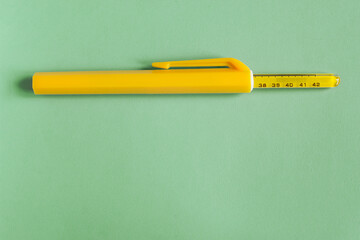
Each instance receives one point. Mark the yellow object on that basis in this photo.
(237, 77)
(295, 80)
(219, 75)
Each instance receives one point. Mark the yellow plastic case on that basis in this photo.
(236, 78)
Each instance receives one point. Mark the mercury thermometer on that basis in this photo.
(218, 75)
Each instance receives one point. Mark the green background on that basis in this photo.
(273, 164)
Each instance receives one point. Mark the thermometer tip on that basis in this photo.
(337, 81)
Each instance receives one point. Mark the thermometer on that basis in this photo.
(218, 75)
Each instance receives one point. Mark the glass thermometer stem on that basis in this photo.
(296, 80)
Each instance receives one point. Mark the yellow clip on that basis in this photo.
(215, 62)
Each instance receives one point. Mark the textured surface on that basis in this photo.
(273, 164)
